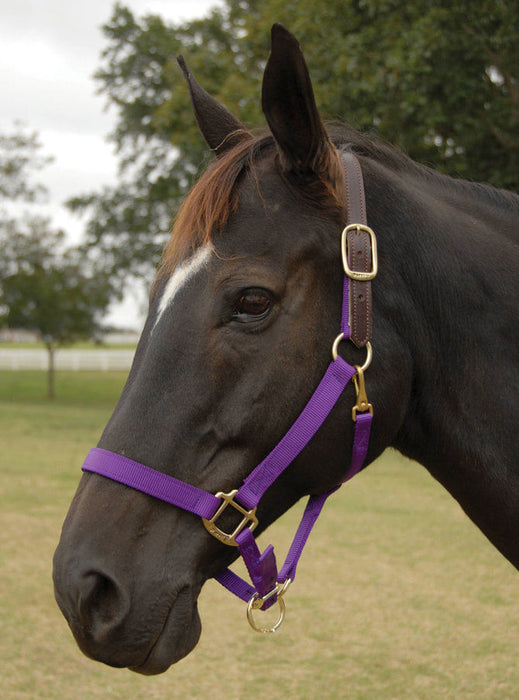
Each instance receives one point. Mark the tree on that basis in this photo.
(50, 289)
(44, 286)
(19, 158)
(438, 81)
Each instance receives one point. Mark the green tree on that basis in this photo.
(48, 288)
(44, 286)
(438, 81)
(19, 158)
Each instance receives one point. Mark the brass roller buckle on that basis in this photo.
(249, 519)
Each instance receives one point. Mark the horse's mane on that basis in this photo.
(208, 206)
(395, 159)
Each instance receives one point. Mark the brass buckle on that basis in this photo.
(356, 274)
(362, 405)
(256, 603)
(228, 500)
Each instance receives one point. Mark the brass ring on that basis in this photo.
(335, 345)
(265, 630)
(369, 352)
(369, 357)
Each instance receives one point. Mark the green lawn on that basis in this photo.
(398, 595)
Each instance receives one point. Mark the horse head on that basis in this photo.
(243, 314)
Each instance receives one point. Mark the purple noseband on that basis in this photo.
(268, 586)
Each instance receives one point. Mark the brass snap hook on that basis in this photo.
(362, 405)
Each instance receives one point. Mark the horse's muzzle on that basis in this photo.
(115, 623)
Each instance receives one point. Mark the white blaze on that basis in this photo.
(180, 277)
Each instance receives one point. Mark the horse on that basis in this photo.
(243, 313)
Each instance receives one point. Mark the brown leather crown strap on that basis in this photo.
(359, 252)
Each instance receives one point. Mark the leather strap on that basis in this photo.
(359, 252)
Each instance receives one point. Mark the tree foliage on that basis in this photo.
(19, 158)
(438, 81)
(46, 287)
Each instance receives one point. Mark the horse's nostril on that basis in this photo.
(102, 604)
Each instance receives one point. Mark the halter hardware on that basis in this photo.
(369, 352)
(228, 500)
(362, 405)
(359, 276)
(256, 603)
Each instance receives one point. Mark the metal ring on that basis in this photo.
(265, 630)
(369, 352)
(282, 587)
(335, 345)
(369, 357)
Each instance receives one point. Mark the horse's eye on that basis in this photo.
(253, 304)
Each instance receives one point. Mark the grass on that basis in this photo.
(398, 595)
(78, 345)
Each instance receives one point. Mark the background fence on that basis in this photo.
(34, 358)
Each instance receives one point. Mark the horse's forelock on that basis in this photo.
(208, 205)
(213, 198)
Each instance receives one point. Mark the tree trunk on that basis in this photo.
(50, 371)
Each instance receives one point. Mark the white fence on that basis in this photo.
(16, 359)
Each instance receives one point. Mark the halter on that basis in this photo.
(359, 257)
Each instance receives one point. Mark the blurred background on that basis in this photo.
(98, 146)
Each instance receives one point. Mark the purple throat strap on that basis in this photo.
(268, 585)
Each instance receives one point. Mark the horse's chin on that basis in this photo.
(153, 651)
(177, 638)
(168, 649)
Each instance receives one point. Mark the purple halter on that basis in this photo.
(269, 585)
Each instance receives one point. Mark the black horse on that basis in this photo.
(243, 312)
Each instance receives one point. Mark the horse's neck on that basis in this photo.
(459, 277)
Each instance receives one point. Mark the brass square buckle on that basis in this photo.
(356, 274)
(230, 538)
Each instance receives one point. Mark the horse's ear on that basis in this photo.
(219, 127)
(289, 106)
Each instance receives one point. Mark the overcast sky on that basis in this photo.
(49, 50)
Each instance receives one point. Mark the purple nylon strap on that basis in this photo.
(312, 511)
(151, 481)
(262, 567)
(360, 444)
(250, 554)
(310, 420)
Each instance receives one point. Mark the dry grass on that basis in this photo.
(398, 595)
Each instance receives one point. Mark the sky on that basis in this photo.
(49, 51)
